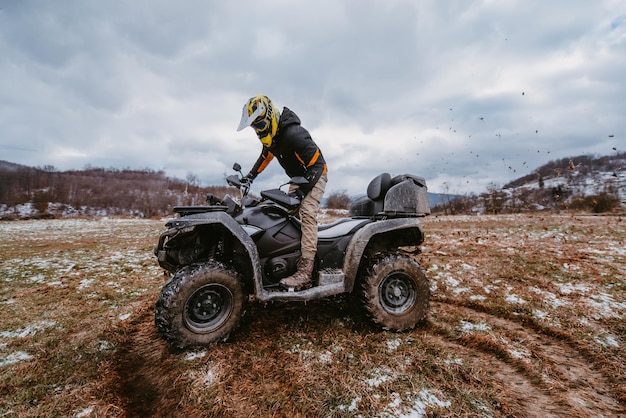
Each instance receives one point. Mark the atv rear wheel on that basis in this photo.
(200, 305)
(395, 292)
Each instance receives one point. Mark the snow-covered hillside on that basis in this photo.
(597, 184)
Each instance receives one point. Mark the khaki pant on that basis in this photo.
(309, 207)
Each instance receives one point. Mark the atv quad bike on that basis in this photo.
(232, 251)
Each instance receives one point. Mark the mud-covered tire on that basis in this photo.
(200, 305)
(395, 292)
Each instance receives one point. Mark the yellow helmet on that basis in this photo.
(259, 113)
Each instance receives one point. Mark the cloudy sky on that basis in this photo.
(464, 93)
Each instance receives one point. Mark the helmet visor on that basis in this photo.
(248, 115)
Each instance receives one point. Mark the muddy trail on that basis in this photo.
(143, 381)
(546, 375)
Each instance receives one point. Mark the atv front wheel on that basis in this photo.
(201, 304)
(395, 292)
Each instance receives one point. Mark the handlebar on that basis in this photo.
(276, 195)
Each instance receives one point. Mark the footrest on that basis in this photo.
(330, 276)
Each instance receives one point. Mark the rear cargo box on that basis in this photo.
(407, 196)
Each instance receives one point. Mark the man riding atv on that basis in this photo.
(283, 137)
(236, 251)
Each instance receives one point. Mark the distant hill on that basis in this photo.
(592, 183)
(7, 166)
(594, 171)
(44, 191)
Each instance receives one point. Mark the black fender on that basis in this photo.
(383, 235)
(188, 224)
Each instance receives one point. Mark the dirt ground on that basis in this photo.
(526, 320)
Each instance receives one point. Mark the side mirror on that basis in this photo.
(236, 167)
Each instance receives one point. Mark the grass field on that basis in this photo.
(526, 320)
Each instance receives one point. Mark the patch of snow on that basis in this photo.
(394, 344)
(15, 357)
(206, 377)
(570, 267)
(419, 407)
(569, 288)
(85, 283)
(605, 305)
(514, 299)
(209, 377)
(325, 358)
(433, 286)
(452, 282)
(353, 405)
(195, 355)
(104, 345)
(460, 290)
(28, 330)
(468, 327)
(518, 354)
(310, 355)
(124, 317)
(607, 340)
(39, 278)
(552, 300)
(85, 412)
(483, 408)
(380, 376)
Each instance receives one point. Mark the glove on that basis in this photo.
(247, 179)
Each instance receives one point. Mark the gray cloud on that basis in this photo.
(462, 93)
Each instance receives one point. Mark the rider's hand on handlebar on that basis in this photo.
(297, 194)
(247, 180)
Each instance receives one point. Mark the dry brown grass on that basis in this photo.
(526, 319)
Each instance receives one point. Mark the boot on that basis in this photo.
(301, 279)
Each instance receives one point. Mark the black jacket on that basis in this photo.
(295, 150)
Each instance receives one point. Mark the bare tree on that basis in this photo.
(338, 200)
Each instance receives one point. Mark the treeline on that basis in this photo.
(559, 198)
(558, 185)
(145, 193)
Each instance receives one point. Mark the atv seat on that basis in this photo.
(339, 228)
(404, 195)
(373, 203)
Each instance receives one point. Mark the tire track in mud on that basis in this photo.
(145, 382)
(539, 373)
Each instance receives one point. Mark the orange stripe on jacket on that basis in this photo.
(313, 160)
(315, 157)
(265, 163)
